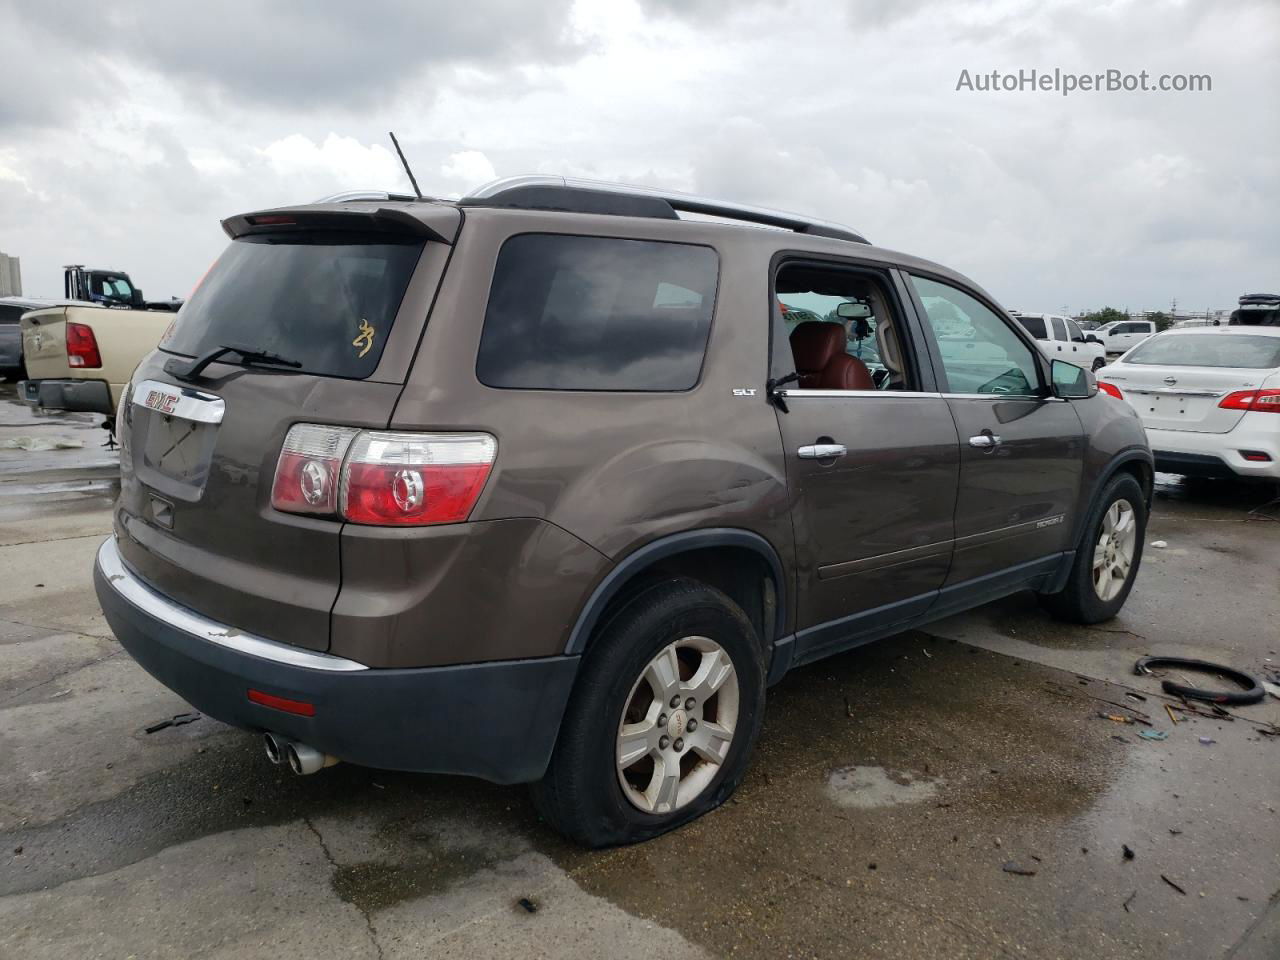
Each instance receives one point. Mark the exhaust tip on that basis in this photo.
(295, 762)
(273, 746)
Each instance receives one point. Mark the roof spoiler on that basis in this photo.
(333, 216)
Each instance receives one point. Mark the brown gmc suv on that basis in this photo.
(549, 484)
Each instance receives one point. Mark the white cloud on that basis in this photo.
(471, 167)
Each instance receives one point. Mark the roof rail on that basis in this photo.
(350, 195)
(578, 195)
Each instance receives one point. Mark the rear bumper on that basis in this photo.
(86, 396)
(496, 720)
(1217, 454)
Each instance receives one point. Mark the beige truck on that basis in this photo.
(81, 356)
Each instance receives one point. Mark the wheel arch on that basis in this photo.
(716, 556)
(1136, 461)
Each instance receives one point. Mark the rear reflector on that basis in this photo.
(1258, 401)
(1256, 456)
(1110, 389)
(300, 707)
(82, 347)
(415, 478)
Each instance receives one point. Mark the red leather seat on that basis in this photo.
(821, 361)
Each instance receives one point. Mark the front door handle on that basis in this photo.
(984, 441)
(822, 451)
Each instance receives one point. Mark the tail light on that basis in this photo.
(382, 478)
(1259, 401)
(82, 347)
(310, 468)
(1110, 389)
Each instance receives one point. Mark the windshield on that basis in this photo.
(326, 302)
(1034, 326)
(1208, 350)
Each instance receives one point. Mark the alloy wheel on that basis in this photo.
(678, 725)
(1113, 553)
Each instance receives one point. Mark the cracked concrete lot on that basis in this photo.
(941, 794)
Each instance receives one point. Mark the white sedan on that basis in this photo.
(1209, 398)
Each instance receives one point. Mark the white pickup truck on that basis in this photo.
(1060, 338)
(1119, 335)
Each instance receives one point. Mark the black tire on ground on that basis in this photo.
(580, 795)
(1078, 601)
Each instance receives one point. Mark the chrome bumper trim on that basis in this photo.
(154, 604)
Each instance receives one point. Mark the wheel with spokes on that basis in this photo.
(660, 726)
(1108, 557)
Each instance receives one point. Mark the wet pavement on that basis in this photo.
(949, 793)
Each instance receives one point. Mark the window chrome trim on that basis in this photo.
(140, 595)
(835, 394)
(188, 404)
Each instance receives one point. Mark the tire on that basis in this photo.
(1080, 601)
(586, 793)
(1099, 363)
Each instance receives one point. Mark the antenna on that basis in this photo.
(405, 162)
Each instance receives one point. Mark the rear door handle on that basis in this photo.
(822, 451)
(984, 441)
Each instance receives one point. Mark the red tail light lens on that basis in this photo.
(415, 478)
(381, 478)
(1258, 401)
(82, 347)
(310, 468)
(1110, 389)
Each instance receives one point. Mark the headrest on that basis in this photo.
(814, 343)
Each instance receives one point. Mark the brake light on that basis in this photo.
(273, 220)
(1110, 389)
(309, 468)
(1258, 401)
(415, 478)
(381, 478)
(82, 346)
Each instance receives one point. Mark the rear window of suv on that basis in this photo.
(325, 301)
(597, 313)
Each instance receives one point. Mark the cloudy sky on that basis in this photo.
(129, 129)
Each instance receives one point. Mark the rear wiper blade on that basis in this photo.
(190, 370)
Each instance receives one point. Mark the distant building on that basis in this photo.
(10, 276)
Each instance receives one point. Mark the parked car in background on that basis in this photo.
(551, 492)
(1121, 335)
(1257, 310)
(1060, 338)
(1209, 399)
(80, 356)
(11, 310)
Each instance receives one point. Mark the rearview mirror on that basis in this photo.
(853, 311)
(1071, 382)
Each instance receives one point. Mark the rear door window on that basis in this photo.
(325, 301)
(1059, 331)
(1034, 326)
(597, 313)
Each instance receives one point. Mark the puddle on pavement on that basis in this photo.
(866, 788)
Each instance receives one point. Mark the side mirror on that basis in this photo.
(135, 299)
(1091, 339)
(1071, 382)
